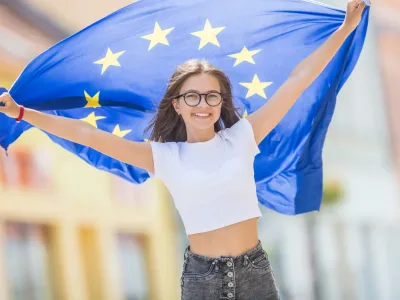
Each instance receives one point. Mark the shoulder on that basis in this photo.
(165, 147)
(241, 127)
(164, 155)
(242, 134)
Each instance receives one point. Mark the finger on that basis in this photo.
(362, 6)
(354, 4)
(358, 3)
(363, 3)
(3, 100)
(3, 94)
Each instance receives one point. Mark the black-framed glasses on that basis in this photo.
(194, 98)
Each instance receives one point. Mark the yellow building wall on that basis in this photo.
(84, 217)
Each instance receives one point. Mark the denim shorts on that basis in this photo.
(245, 277)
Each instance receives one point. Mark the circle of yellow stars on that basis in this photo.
(208, 35)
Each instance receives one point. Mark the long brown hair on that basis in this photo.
(167, 125)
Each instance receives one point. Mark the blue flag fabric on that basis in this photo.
(113, 75)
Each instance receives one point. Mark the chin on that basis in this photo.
(203, 124)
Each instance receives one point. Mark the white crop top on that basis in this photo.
(212, 183)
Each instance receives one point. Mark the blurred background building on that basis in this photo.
(71, 232)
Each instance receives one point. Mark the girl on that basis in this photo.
(204, 153)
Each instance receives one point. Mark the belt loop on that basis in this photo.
(185, 261)
(216, 265)
(246, 260)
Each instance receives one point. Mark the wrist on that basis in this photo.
(21, 112)
(344, 31)
(347, 28)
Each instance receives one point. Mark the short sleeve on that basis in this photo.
(163, 155)
(242, 133)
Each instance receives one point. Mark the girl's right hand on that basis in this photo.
(10, 108)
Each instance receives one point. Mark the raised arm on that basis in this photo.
(138, 154)
(271, 113)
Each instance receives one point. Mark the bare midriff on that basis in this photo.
(232, 240)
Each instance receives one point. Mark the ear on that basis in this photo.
(175, 104)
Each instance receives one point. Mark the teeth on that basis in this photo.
(202, 115)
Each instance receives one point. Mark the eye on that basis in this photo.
(192, 96)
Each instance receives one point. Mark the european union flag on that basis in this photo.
(113, 75)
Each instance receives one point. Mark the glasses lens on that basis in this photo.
(192, 99)
(213, 99)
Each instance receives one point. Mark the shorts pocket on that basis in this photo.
(260, 261)
(198, 270)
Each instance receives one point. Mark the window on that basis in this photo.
(133, 266)
(27, 261)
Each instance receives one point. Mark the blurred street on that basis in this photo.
(71, 232)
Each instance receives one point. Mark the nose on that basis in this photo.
(203, 102)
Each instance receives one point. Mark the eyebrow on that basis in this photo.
(192, 90)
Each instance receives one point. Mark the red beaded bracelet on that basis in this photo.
(21, 113)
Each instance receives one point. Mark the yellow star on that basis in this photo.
(91, 119)
(244, 55)
(244, 114)
(208, 35)
(256, 87)
(111, 59)
(158, 36)
(92, 101)
(121, 133)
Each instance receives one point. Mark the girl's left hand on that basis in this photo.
(354, 12)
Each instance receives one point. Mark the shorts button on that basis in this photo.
(230, 274)
(229, 264)
(230, 295)
(230, 284)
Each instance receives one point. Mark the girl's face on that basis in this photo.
(202, 84)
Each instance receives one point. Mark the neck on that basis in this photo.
(198, 136)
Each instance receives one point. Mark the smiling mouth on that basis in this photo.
(202, 115)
